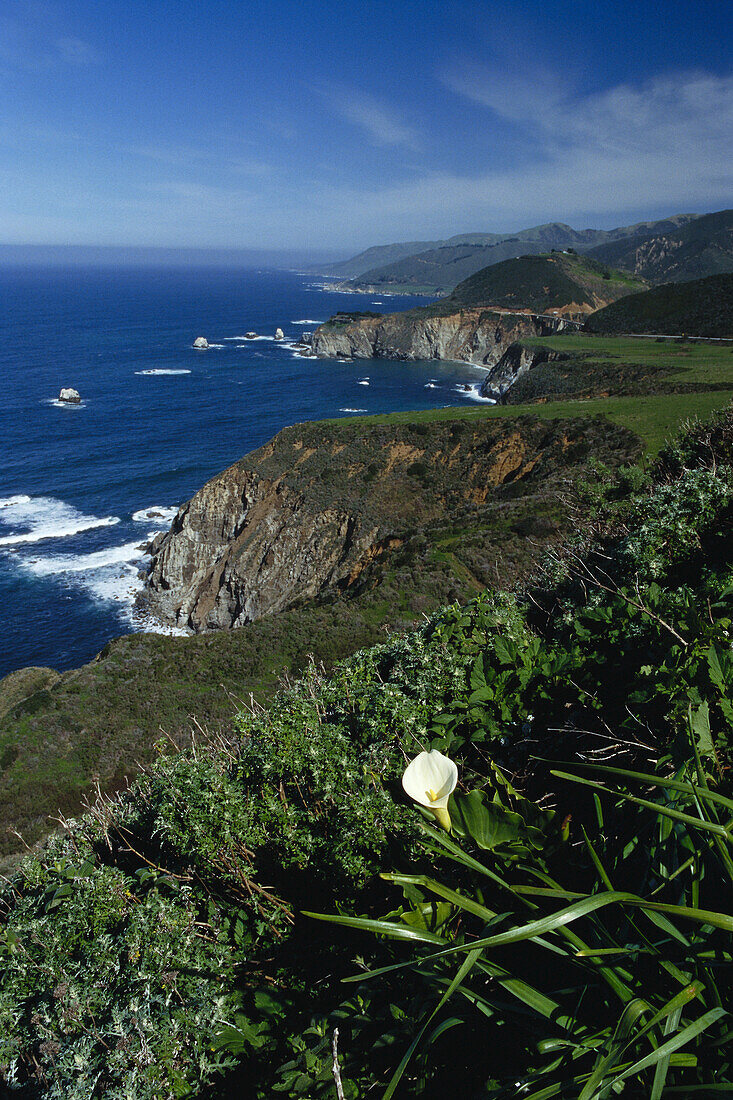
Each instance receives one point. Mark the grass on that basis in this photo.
(653, 419)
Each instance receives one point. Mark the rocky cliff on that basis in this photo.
(316, 507)
(479, 336)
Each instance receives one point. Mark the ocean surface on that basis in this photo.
(83, 487)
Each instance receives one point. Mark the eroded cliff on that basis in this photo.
(313, 509)
(479, 336)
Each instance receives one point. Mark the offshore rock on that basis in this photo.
(309, 512)
(70, 396)
(201, 342)
(279, 334)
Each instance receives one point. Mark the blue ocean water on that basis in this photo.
(82, 487)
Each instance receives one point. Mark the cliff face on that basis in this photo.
(477, 336)
(513, 364)
(314, 509)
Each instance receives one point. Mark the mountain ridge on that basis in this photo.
(463, 254)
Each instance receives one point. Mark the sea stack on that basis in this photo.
(201, 342)
(250, 335)
(69, 396)
(279, 334)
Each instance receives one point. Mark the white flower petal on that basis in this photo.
(430, 779)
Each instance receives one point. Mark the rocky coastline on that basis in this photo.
(488, 338)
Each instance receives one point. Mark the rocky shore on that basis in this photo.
(482, 337)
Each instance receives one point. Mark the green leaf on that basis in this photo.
(681, 1039)
(487, 823)
(700, 725)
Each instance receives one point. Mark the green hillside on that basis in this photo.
(59, 732)
(570, 936)
(702, 307)
(700, 248)
(555, 280)
(440, 267)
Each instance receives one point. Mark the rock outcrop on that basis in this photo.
(515, 362)
(479, 336)
(201, 342)
(279, 527)
(279, 334)
(70, 396)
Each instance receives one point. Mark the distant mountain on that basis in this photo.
(703, 307)
(440, 266)
(375, 257)
(692, 251)
(557, 282)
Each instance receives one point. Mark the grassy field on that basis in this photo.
(653, 417)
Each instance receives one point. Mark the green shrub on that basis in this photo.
(172, 912)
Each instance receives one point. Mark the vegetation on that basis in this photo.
(540, 283)
(703, 307)
(616, 367)
(61, 734)
(438, 266)
(448, 528)
(703, 246)
(585, 909)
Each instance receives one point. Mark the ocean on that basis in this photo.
(83, 487)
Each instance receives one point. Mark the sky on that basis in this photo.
(332, 126)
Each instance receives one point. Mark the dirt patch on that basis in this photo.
(402, 453)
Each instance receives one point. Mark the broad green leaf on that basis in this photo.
(487, 823)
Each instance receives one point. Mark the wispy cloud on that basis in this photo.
(381, 124)
(76, 51)
(201, 156)
(34, 38)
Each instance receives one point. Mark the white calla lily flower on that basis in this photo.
(430, 779)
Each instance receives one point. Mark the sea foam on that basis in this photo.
(163, 370)
(155, 514)
(42, 518)
(474, 394)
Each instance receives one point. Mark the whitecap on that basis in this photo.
(363, 382)
(164, 370)
(307, 321)
(474, 394)
(84, 563)
(42, 518)
(110, 576)
(352, 410)
(155, 514)
(430, 386)
(56, 404)
(246, 339)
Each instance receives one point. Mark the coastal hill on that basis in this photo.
(702, 307)
(442, 265)
(453, 500)
(494, 308)
(165, 944)
(562, 283)
(332, 534)
(703, 246)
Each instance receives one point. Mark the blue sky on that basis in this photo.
(338, 125)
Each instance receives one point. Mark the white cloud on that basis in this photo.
(380, 123)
